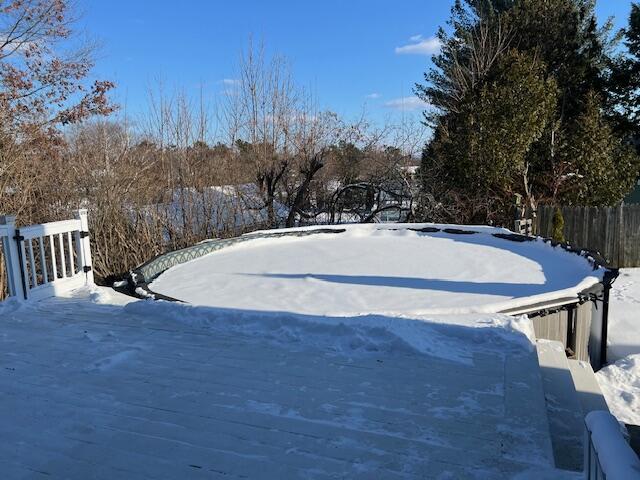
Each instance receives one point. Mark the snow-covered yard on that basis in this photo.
(620, 381)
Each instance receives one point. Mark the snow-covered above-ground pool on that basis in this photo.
(379, 269)
(620, 381)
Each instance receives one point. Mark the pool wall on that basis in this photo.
(580, 324)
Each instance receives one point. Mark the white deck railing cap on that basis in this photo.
(617, 459)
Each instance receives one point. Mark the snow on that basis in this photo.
(219, 207)
(373, 269)
(100, 386)
(620, 384)
(624, 315)
(103, 295)
(9, 305)
(436, 336)
(389, 227)
(620, 381)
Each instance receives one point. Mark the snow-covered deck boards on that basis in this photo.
(91, 391)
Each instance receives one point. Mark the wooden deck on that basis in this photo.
(90, 391)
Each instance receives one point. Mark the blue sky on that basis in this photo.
(348, 52)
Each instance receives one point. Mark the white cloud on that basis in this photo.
(373, 95)
(406, 104)
(230, 86)
(420, 46)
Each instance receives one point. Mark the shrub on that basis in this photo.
(558, 226)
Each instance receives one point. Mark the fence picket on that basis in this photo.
(32, 265)
(52, 250)
(43, 261)
(63, 260)
(72, 267)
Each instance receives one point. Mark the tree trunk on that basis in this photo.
(302, 190)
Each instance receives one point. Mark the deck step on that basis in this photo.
(589, 394)
(566, 421)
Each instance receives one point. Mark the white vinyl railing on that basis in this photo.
(48, 259)
(607, 454)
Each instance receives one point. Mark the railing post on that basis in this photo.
(12, 258)
(85, 246)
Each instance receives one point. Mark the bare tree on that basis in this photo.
(259, 114)
(39, 81)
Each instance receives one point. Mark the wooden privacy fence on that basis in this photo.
(612, 231)
(47, 259)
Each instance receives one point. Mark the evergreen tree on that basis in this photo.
(564, 34)
(520, 89)
(481, 156)
(625, 81)
(604, 166)
(558, 225)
